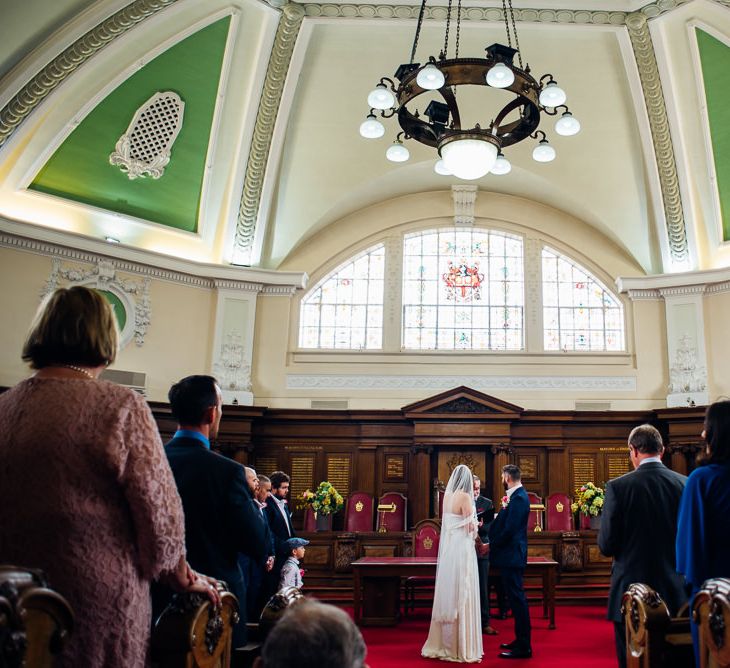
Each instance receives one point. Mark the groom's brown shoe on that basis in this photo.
(489, 631)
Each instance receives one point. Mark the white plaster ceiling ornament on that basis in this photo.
(130, 299)
(146, 147)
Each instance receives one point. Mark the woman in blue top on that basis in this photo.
(703, 533)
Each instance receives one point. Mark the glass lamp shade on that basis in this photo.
(381, 98)
(397, 152)
(469, 159)
(543, 152)
(501, 165)
(440, 168)
(500, 76)
(552, 95)
(371, 128)
(430, 77)
(567, 125)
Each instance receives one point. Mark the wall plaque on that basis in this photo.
(395, 468)
(266, 465)
(302, 475)
(584, 470)
(617, 465)
(528, 467)
(338, 473)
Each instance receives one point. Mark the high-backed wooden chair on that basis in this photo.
(35, 622)
(711, 610)
(395, 519)
(537, 508)
(653, 638)
(439, 489)
(359, 512)
(425, 543)
(558, 513)
(190, 633)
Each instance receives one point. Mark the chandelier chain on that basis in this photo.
(506, 22)
(418, 30)
(448, 26)
(458, 27)
(514, 30)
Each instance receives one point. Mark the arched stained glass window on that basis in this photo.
(463, 289)
(579, 313)
(345, 309)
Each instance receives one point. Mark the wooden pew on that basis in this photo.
(711, 612)
(35, 622)
(654, 639)
(191, 634)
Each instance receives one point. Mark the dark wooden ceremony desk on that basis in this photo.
(377, 585)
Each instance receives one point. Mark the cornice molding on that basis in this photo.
(399, 382)
(281, 53)
(712, 281)
(192, 279)
(83, 49)
(637, 25)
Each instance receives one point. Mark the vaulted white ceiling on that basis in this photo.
(302, 166)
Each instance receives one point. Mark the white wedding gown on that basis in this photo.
(456, 625)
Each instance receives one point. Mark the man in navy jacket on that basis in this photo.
(221, 518)
(508, 552)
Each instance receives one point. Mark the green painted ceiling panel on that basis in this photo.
(80, 169)
(715, 57)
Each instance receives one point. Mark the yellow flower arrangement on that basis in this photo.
(325, 500)
(588, 500)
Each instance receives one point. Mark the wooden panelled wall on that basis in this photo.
(383, 451)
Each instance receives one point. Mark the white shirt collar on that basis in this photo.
(283, 510)
(512, 490)
(656, 459)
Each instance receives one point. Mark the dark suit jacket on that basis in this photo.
(485, 512)
(638, 529)
(508, 533)
(278, 526)
(221, 518)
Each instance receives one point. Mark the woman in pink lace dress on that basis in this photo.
(86, 492)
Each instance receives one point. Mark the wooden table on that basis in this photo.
(378, 583)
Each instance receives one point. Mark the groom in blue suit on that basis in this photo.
(508, 551)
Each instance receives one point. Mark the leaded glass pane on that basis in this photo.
(579, 313)
(472, 284)
(351, 312)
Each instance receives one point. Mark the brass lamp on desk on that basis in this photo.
(385, 508)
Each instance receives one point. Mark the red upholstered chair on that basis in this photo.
(359, 512)
(534, 521)
(396, 520)
(426, 536)
(559, 514)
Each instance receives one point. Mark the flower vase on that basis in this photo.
(324, 522)
(595, 522)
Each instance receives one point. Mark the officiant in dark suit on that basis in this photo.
(221, 518)
(485, 517)
(508, 552)
(639, 528)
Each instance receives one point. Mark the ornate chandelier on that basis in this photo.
(468, 153)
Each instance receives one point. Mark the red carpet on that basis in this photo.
(583, 637)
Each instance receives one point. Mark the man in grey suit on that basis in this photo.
(639, 527)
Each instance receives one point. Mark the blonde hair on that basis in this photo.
(72, 326)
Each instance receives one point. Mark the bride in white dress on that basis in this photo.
(456, 626)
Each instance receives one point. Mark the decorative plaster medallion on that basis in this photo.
(413, 382)
(133, 295)
(233, 373)
(146, 147)
(465, 198)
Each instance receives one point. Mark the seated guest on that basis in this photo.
(703, 532)
(221, 518)
(93, 500)
(313, 635)
(291, 574)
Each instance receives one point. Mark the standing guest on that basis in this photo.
(639, 528)
(255, 590)
(221, 518)
(508, 551)
(485, 517)
(703, 533)
(92, 496)
(291, 574)
(279, 516)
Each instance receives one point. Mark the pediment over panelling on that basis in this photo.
(462, 401)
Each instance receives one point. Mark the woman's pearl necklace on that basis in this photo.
(80, 370)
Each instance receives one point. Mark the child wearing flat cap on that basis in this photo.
(291, 575)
